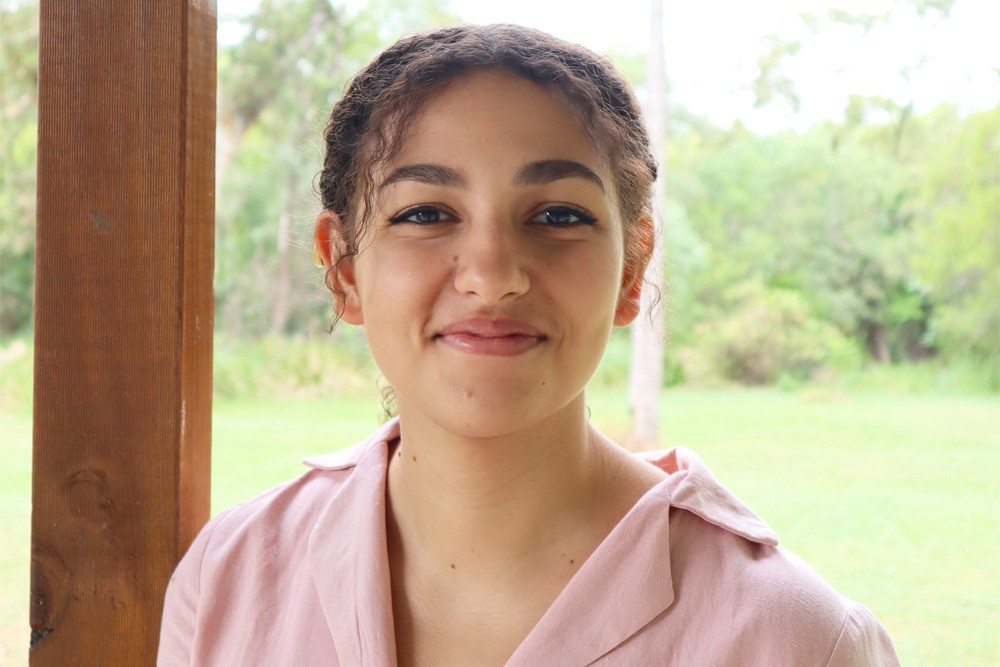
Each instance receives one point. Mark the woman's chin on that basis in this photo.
(491, 413)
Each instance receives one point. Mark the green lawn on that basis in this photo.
(895, 500)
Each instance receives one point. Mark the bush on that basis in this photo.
(615, 364)
(962, 376)
(319, 365)
(770, 334)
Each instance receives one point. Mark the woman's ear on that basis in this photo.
(340, 278)
(629, 301)
(633, 275)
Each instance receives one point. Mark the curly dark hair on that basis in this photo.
(368, 124)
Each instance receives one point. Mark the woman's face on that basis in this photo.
(493, 269)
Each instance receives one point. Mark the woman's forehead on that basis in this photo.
(493, 115)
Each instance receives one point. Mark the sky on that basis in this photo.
(712, 48)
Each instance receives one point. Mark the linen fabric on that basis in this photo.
(690, 576)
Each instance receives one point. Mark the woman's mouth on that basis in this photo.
(501, 337)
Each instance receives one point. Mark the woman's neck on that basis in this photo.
(486, 503)
(484, 533)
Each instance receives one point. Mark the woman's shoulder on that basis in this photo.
(283, 517)
(720, 547)
(732, 579)
(285, 509)
(259, 561)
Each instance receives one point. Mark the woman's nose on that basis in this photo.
(491, 262)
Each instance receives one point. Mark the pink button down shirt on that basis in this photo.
(690, 576)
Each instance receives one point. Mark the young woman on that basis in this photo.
(486, 219)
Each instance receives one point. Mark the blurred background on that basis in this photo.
(832, 260)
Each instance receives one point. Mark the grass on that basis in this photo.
(15, 536)
(260, 443)
(894, 499)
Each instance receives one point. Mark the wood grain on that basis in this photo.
(123, 319)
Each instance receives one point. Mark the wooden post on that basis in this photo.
(123, 320)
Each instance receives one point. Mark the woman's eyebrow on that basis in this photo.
(431, 174)
(533, 173)
(546, 171)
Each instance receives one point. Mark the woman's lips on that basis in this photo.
(489, 336)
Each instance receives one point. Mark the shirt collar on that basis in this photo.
(349, 457)
(352, 575)
(348, 557)
(692, 487)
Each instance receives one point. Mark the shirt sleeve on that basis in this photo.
(863, 642)
(179, 624)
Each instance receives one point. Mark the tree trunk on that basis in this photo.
(877, 342)
(646, 373)
(281, 297)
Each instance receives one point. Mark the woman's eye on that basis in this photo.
(422, 215)
(563, 216)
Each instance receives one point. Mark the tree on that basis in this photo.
(956, 247)
(795, 213)
(646, 373)
(273, 86)
(774, 83)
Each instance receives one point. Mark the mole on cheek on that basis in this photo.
(454, 258)
(414, 458)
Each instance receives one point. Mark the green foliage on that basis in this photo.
(17, 281)
(798, 213)
(956, 245)
(614, 367)
(932, 9)
(827, 210)
(772, 83)
(16, 373)
(886, 225)
(963, 376)
(18, 129)
(275, 86)
(327, 365)
(770, 333)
